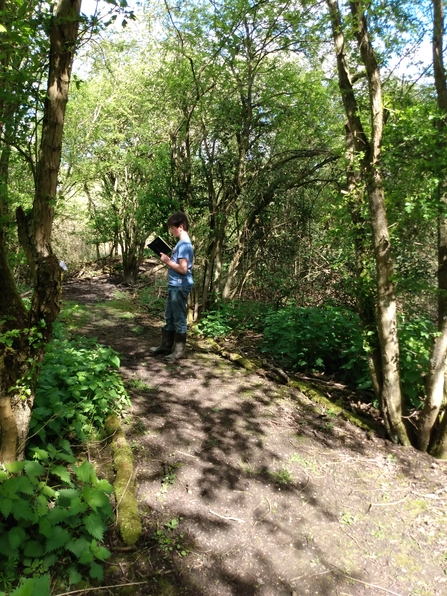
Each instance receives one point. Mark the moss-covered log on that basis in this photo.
(316, 396)
(127, 517)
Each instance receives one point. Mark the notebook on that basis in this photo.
(158, 245)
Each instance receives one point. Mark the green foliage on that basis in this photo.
(330, 340)
(169, 540)
(214, 324)
(234, 316)
(51, 516)
(151, 299)
(77, 389)
(325, 339)
(415, 339)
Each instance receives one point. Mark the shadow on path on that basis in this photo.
(246, 491)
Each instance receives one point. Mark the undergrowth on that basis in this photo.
(79, 386)
(53, 514)
(54, 511)
(327, 339)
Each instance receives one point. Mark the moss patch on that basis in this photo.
(128, 519)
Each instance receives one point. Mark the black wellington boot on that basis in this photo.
(167, 341)
(179, 348)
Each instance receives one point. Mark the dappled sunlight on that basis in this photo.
(246, 487)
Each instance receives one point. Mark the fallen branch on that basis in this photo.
(241, 521)
(371, 505)
(354, 579)
(101, 588)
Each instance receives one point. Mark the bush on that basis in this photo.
(325, 339)
(235, 316)
(78, 388)
(330, 340)
(43, 529)
(153, 298)
(415, 339)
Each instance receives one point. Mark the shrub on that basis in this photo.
(45, 529)
(325, 339)
(153, 298)
(415, 339)
(78, 388)
(234, 316)
(330, 339)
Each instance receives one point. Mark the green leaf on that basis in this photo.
(86, 557)
(16, 536)
(5, 547)
(105, 486)
(49, 561)
(17, 484)
(102, 553)
(34, 586)
(59, 537)
(40, 453)
(33, 469)
(74, 577)
(62, 472)
(5, 506)
(33, 549)
(94, 525)
(48, 491)
(95, 498)
(77, 547)
(57, 514)
(45, 528)
(15, 466)
(67, 495)
(96, 571)
(26, 589)
(115, 360)
(65, 445)
(22, 510)
(85, 472)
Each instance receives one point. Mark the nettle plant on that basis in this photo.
(79, 386)
(53, 510)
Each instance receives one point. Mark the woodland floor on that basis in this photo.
(262, 494)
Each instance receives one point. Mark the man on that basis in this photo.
(180, 283)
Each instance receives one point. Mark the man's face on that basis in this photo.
(176, 231)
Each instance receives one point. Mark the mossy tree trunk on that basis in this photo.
(25, 334)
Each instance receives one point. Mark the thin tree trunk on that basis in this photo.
(428, 434)
(386, 299)
(370, 175)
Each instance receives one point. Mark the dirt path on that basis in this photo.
(245, 490)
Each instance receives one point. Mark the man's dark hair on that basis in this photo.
(178, 219)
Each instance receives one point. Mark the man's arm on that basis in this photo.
(180, 267)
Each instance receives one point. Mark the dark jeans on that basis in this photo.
(175, 314)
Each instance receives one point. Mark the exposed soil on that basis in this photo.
(256, 491)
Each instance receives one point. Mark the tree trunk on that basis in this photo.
(428, 434)
(369, 174)
(386, 299)
(31, 331)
